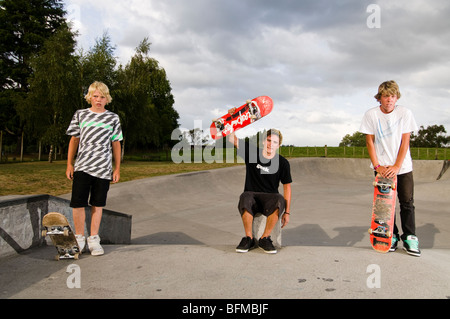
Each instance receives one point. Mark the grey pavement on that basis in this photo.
(186, 227)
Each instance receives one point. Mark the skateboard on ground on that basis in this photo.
(244, 115)
(57, 227)
(383, 212)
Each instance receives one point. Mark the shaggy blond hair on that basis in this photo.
(388, 88)
(102, 88)
(271, 132)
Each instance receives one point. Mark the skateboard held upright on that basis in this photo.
(383, 213)
(57, 227)
(244, 115)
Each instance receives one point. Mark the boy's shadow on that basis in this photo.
(314, 235)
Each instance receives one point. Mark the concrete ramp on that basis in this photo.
(186, 227)
(21, 222)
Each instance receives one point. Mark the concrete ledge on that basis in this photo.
(21, 222)
(259, 224)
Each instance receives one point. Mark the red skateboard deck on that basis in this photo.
(244, 115)
(383, 212)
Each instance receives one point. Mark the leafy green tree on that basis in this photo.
(358, 139)
(54, 90)
(432, 136)
(145, 101)
(24, 27)
(99, 64)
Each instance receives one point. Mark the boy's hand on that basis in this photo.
(116, 176)
(388, 171)
(285, 220)
(69, 172)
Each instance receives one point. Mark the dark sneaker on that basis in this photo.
(245, 245)
(411, 245)
(266, 245)
(394, 243)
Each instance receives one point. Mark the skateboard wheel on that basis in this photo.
(375, 184)
(388, 233)
(76, 256)
(44, 233)
(66, 232)
(57, 257)
(393, 187)
(370, 231)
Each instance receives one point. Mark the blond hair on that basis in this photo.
(100, 86)
(388, 88)
(271, 132)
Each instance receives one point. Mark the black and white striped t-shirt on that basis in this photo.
(96, 132)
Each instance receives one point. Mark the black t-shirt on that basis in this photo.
(263, 175)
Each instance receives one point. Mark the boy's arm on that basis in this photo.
(370, 143)
(388, 171)
(116, 154)
(73, 145)
(287, 197)
(233, 140)
(232, 137)
(401, 153)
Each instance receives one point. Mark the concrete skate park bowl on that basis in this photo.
(185, 229)
(21, 222)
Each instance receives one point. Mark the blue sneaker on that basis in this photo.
(411, 245)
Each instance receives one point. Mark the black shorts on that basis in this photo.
(264, 203)
(83, 184)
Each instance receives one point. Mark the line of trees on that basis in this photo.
(431, 137)
(44, 79)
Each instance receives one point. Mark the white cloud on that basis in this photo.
(318, 60)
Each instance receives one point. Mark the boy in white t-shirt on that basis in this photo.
(388, 130)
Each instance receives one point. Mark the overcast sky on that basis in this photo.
(321, 61)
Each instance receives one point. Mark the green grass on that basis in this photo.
(30, 178)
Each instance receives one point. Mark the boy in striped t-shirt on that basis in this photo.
(96, 132)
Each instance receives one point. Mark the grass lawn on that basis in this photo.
(30, 178)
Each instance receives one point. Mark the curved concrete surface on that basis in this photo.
(185, 229)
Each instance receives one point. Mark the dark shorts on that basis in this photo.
(264, 203)
(85, 184)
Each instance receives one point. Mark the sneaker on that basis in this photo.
(245, 245)
(94, 245)
(411, 245)
(266, 245)
(81, 240)
(394, 243)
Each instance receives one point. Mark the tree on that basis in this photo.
(54, 90)
(357, 139)
(99, 64)
(145, 101)
(432, 136)
(24, 27)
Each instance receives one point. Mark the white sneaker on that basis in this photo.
(81, 240)
(94, 245)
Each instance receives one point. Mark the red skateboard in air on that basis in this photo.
(244, 115)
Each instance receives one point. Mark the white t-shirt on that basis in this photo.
(388, 130)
